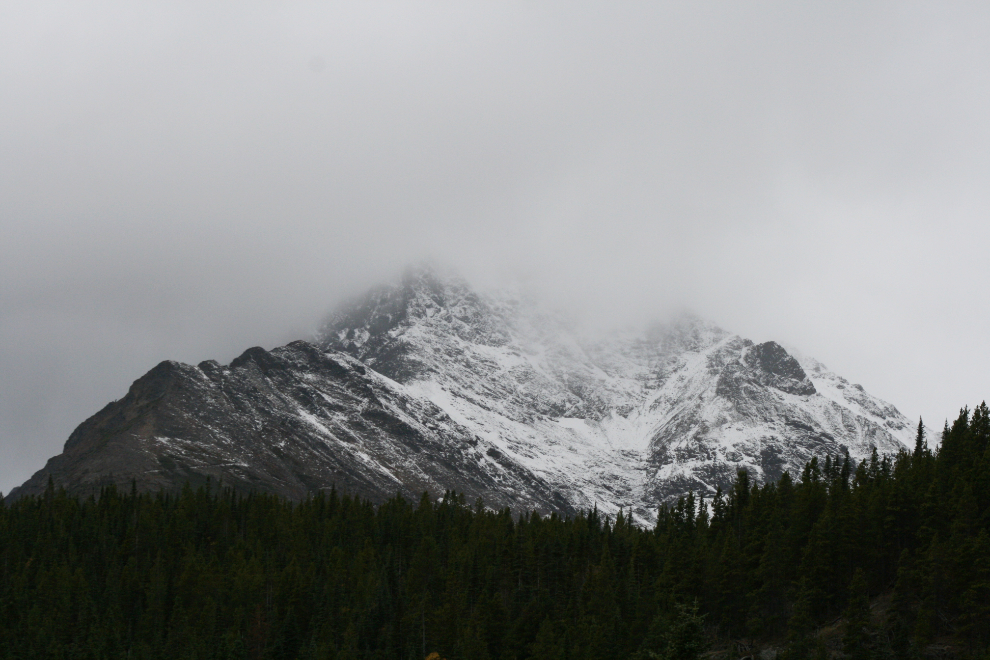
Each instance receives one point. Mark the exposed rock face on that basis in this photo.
(428, 385)
(292, 421)
(773, 367)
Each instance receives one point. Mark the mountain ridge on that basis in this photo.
(427, 384)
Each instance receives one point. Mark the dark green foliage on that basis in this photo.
(856, 641)
(212, 574)
(679, 635)
(920, 441)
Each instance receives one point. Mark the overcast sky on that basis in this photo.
(186, 180)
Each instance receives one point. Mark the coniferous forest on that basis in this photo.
(890, 556)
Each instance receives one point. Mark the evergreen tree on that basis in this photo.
(856, 640)
(920, 442)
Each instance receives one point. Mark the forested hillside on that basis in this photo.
(213, 574)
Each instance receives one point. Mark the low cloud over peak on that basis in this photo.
(180, 181)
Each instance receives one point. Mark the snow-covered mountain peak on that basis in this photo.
(625, 419)
(429, 384)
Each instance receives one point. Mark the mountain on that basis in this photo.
(427, 384)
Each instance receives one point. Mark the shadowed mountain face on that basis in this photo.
(429, 385)
(292, 421)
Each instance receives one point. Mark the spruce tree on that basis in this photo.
(920, 443)
(855, 641)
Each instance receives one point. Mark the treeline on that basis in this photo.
(213, 574)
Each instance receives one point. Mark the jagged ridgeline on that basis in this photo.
(887, 558)
(430, 385)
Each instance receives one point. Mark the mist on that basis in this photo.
(182, 182)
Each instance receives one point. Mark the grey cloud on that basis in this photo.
(180, 181)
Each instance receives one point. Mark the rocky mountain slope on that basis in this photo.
(426, 384)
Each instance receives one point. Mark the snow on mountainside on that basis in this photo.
(628, 420)
(427, 384)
